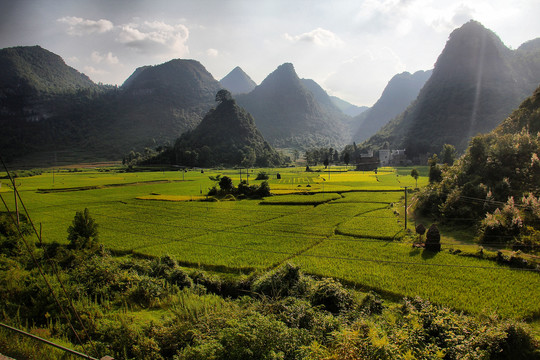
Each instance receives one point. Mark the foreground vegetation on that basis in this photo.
(184, 273)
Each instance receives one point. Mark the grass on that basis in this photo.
(342, 229)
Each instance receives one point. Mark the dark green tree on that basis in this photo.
(347, 158)
(226, 184)
(415, 174)
(83, 233)
(223, 95)
(435, 172)
(448, 154)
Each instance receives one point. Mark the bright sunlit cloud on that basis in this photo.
(78, 26)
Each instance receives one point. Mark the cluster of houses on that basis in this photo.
(385, 157)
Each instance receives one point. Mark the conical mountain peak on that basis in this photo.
(238, 82)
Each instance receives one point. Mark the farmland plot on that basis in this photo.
(309, 230)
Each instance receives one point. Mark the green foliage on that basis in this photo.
(225, 184)
(284, 281)
(494, 169)
(415, 175)
(262, 175)
(448, 154)
(331, 295)
(223, 95)
(435, 172)
(83, 233)
(514, 224)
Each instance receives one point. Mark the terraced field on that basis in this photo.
(341, 223)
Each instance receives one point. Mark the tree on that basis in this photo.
(347, 158)
(223, 95)
(225, 184)
(435, 172)
(83, 233)
(414, 174)
(448, 154)
(296, 155)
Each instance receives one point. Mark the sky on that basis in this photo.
(351, 48)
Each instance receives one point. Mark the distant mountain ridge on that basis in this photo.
(289, 115)
(398, 94)
(238, 82)
(477, 81)
(347, 107)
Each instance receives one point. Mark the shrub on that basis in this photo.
(372, 304)
(262, 176)
(332, 295)
(180, 278)
(280, 282)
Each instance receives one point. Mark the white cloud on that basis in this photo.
(79, 26)
(90, 70)
(319, 37)
(155, 38)
(109, 58)
(212, 52)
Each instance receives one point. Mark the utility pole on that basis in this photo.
(405, 187)
(16, 203)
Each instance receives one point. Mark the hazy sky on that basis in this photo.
(351, 48)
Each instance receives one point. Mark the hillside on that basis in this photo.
(158, 103)
(475, 84)
(44, 103)
(398, 94)
(32, 70)
(59, 115)
(495, 182)
(289, 115)
(238, 82)
(226, 136)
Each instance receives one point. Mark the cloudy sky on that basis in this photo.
(351, 48)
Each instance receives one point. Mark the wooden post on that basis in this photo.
(405, 207)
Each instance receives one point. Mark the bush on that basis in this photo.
(280, 282)
(180, 278)
(332, 295)
(372, 304)
(262, 176)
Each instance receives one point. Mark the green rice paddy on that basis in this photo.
(344, 224)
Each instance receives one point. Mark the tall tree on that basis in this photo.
(448, 154)
(82, 233)
(414, 174)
